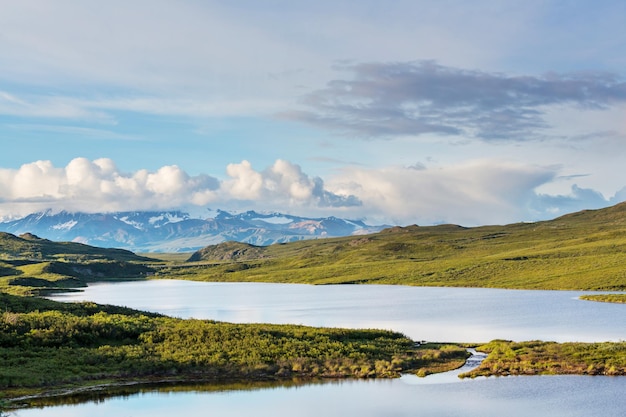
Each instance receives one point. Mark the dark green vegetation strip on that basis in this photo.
(550, 358)
(47, 346)
(580, 251)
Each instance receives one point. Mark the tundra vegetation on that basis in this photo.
(579, 251)
(605, 298)
(46, 346)
(550, 358)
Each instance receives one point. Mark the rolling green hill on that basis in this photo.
(29, 264)
(584, 251)
(29, 246)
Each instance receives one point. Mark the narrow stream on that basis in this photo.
(447, 377)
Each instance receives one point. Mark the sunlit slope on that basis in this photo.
(28, 264)
(28, 246)
(584, 250)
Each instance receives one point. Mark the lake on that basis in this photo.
(422, 313)
(553, 396)
(433, 314)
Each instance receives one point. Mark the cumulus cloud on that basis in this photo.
(414, 98)
(284, 184)
(99, 186)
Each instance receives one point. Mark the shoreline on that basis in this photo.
(481, 360)
(88, 392)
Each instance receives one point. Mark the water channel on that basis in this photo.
(433, 314)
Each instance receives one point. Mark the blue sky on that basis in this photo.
(399, 112)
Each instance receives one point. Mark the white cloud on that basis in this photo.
(101, 110)
(159, 47)
(282, 185)
(245, 182)
(472, 193)
(99, 186)
(94, 186)
(191, 58)
(289, 179)
(51, 107)
(38, 179)
(477, 192)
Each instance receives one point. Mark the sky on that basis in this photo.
(403, 112)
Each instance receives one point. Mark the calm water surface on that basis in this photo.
(558, 396)
(435, 314)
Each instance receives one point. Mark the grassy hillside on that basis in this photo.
(29, 264)
(29, 246)
(584, 250)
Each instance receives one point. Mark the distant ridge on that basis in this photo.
(578, 251)
(178, 231)
(616, 213)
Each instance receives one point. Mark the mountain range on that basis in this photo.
(178, 231)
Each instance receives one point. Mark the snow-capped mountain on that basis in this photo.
(177, 231)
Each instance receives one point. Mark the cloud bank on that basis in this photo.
(99, 186)
(415, 98)
(473, 193)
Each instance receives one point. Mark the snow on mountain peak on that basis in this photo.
(165, 218)
(65, 226)
(150, 231)
(128, 221)
(276, 219)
